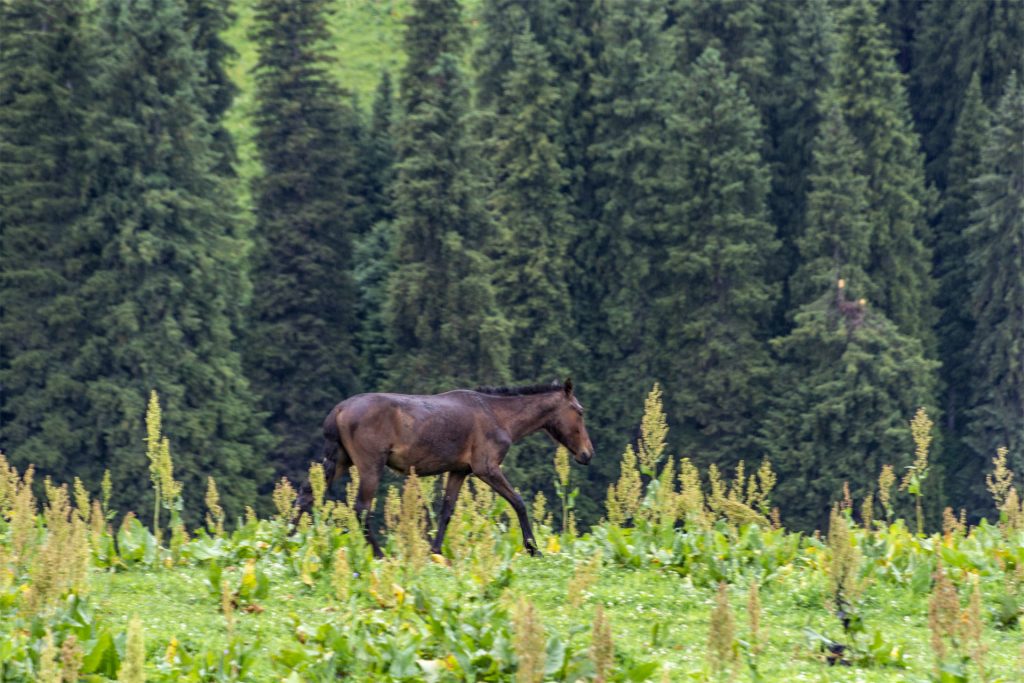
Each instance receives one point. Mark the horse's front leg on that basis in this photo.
(495, 478)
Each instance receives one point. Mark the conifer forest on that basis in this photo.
(802, 221)
(777, 246)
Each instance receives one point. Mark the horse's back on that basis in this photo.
(429, 432)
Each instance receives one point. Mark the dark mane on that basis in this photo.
(520, 391)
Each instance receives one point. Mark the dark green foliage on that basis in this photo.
(206, 20)
(874, 103)
(996, 257)
(44, 61)
(718, 297)
(957, 39)
(733, 28)
(443, 323)
(901, 18)
(836, 242)
(848, 386)
(530, 206)
(630, 187)
(803, 41)
(310, 205)
(956, 325)
(158, 270)
(380, 157)
(374, 250)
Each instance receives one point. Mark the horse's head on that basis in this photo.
(567, 428)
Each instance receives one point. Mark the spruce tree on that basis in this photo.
(444, 327)
(836, 242)
(715, 313)
(530, 205)
(374, 250)
(849, 384)
(957, 39)
(206, 21)
(44, 67)
(632, 91)
(531, 212)
(301, 353)
(956, 325)
(996, 258)
(734, 29)
(803, 43)
(874, 102)
(158, 270)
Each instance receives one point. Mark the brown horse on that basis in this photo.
(461, 432)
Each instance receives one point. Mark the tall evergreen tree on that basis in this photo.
(902, 19)
(802, 36)
(206, 21)
(836, 242)
(955, 327)
(530, 206)
(849, 383)
(374, 250)
(632, 92)
(443, 322)
(848, 380)
(874, 102)
(734, 29)
(44, 64)
(957, 39)
(716, 312)
(996, 256)
(302, 354)
(158, 270)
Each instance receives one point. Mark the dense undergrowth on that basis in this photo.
(690, 578)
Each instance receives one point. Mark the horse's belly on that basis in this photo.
(427, 463)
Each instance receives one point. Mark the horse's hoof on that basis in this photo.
(534, 552)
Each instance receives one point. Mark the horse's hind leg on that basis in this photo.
(451, 496)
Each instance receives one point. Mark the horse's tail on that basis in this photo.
(332, 456)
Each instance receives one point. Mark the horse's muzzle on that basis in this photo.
(584, 457)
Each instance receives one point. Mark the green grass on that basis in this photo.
(655, 614)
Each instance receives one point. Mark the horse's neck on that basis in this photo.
(521, 416)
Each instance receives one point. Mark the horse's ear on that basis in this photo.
(568, 386)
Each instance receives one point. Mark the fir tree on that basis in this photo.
(531, 211)
(44, 63)
(850, 381)
(530, 205)
(158, 268)
(374, 250)
(381, 153)
(955, 327)
(803, 45)
(444, 327)
(206, 20)
(734, 29)
(996, 258)
(874, 103)
(614, 282)
(957, 39)
(302, 354)
(836, 243)
(716, 310)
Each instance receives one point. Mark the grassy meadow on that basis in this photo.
(691, 577)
